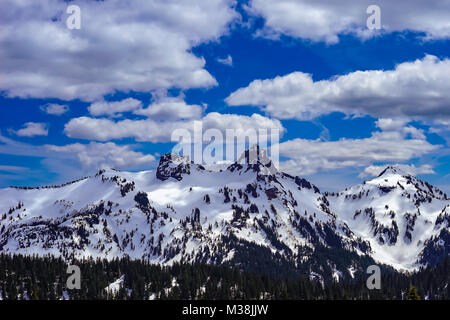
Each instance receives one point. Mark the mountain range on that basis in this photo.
(248, 215)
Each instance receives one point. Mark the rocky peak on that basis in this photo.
(255, 159)
(174, 166)
(393, 170)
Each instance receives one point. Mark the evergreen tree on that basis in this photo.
(412, 294)
(34, 295)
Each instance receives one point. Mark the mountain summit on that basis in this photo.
(399, 215)
(258, 160)
(174, 166)
(392, 169)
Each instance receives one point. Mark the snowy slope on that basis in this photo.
(247, 212)
(397, 213)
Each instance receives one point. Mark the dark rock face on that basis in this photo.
(443, 218)
(436, 249)
(391, 170)
(235, 167)
(271, 193)
(254, 159)
(303, 183)
(385, 189)
(172, 166)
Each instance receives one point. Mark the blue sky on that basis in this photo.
(349, 100)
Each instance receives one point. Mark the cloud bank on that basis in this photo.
(325, 20)
(137, 45)
(418, 89)
(388, 145)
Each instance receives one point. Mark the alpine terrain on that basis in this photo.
(247, 215)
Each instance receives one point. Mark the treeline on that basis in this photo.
(55, 186)
(44, 278)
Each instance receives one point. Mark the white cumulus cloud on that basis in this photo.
(149, 130)
(114, 108)
(171, 108)
(99, 155)
(226, 61)
(325, 20)
(139, 45)
(311, 156)
(55, 109)
(418, 89)
(32, 129)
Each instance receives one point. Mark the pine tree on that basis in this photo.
(412, 294)
(34, 295)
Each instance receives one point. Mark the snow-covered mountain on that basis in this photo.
(248, 215)
(406, 220)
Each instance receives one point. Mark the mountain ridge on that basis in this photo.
(245, 215)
